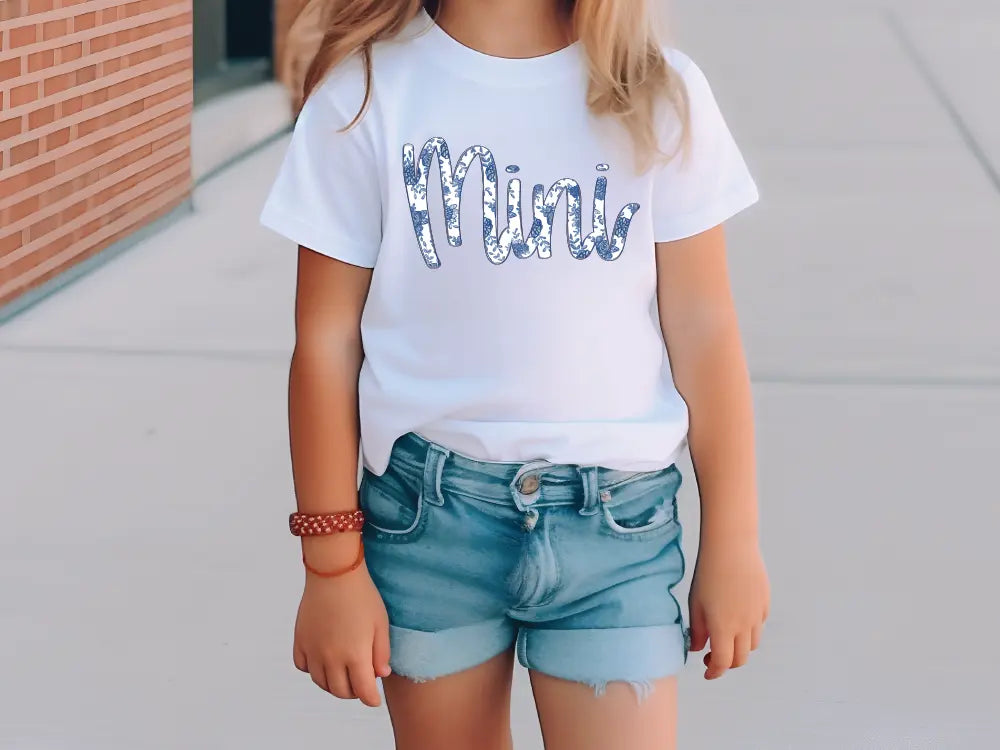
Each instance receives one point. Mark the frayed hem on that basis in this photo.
(643, 689)
(416, 679)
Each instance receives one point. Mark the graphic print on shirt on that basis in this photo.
(499, 245)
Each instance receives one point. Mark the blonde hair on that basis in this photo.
(630, 79)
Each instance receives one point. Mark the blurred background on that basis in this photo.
(147, 582)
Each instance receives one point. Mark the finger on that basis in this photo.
(722, 656)
(699, 629)
(299, 658)
(340, 683)
(755, 635)
(741, 649)
(318, 674)
(363, 685)
(380, 651)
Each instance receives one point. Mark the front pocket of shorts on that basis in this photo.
(644, 523)
(393, 511)
(647, 510)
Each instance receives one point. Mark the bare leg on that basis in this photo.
(469, 710)
(574, 718)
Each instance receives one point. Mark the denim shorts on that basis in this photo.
(574, 564)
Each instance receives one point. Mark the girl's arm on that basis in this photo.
(341, 633)
(729, 594)
(323, 384)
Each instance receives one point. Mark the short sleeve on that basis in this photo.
(703, 187)
(326, 196)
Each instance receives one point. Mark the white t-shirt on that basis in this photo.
(512, 312)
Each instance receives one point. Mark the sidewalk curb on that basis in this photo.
(33, 296)
(244, 154)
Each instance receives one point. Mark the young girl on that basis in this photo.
(504, 209)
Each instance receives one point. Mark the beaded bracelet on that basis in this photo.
(320, 524)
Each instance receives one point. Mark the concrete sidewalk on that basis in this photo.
(143, 409)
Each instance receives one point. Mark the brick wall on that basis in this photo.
(94, 127)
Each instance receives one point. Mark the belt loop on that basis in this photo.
(433, 469)
(591, 492)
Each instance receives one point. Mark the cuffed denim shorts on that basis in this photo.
(574, 564)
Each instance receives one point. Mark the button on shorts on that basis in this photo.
(575, 565)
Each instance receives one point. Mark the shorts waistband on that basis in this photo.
(522, 484)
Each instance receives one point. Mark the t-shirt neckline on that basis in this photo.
(512, 71)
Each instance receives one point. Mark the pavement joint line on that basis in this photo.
(762, 378)
(913, 52)
(986, 382)
(245, 355)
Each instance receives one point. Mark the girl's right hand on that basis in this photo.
(342, 635)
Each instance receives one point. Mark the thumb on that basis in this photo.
(699, 627)
(380, 651)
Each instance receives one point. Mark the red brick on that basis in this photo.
(23, 35)
(70, 52)
(96, 97)
(71, 106)
(11, 9)
(10, 243)
(184, 42)
(10, 68)
(43, 227)
(57, 139)
(42, 116)
(146, 6)
(24, 152)
(58, 83)
(85, 21)
(137, 58)
(23, 94)
(163, 96)
(57, 193)
(10, 128)
(77, 209)
(92, 125)
(86, 75)
(41, 173)
(52, 29)
(90, 228)
(25, 208)
(88, 179)
(39, 60)
(111, 66)
(101, 43)
(40, 6)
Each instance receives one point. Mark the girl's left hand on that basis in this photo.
(729, 602)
